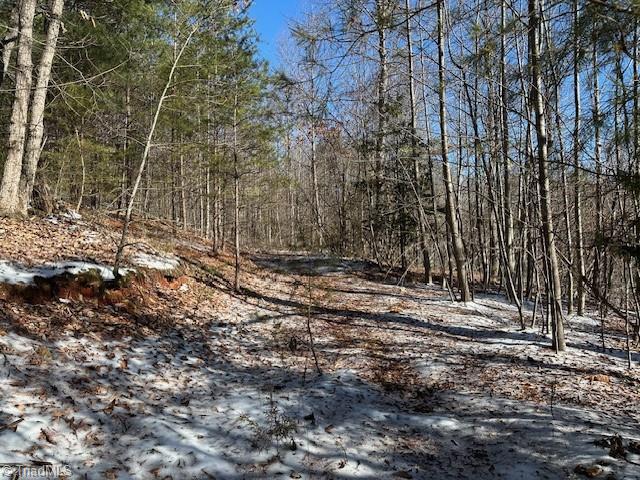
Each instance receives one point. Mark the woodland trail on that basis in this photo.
(457, 391)
(178, 377)
(151, 150)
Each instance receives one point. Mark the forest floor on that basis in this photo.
(175, 376)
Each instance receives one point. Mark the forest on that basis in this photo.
(408, 248)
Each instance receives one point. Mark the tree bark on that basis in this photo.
(314, 184)
(236, 199)
(9, 42)
(79, 140)
(577, 147)
(183, 189)
(19, 116)
(38, 102)
(420, 213)
(548, 233)
(381, 106)
(450, 207)
(508, 217)
(597, 263)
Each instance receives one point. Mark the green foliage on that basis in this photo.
(113, 61)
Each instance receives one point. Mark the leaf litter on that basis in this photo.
(175, 376)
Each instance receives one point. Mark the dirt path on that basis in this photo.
(184, 379)
(504, 405)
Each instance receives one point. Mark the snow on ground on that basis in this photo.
(146, 412)
(412, 386)
(63, 243)
(156, 262)
(14, 273)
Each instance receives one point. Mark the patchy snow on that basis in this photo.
(413, 386)
(156, 262)
(71, 215)
(170, 410)
(14, 274)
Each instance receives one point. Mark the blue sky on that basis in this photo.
(272, 17)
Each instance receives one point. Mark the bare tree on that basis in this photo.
(537, 100)
(145, 155)
(577, 148)
(450, 200)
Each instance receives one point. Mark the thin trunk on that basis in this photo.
(451, 207)
(183, 189)
(420, 214)
(236, 199)
(508, 217)
(314, 182)
(126, 165)
(597, 264)
(431, 197)
(544, 184)
(9, 42)
(580, 268)
(569, 239)
(81, 151)
(207, 206)
(145, 155)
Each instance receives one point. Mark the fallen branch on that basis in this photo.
(11, 426)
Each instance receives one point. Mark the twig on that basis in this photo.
(12, 425)
(313, 350)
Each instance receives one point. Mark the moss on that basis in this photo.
(125, 280)
(91, 278)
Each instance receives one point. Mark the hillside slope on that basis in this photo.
(173, 375)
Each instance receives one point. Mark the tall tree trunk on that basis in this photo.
(543, 173)
(236, 199)
(19, 116)
(431, 193)
(420, 213)
(183, 188)
(381, 106)
(577, 147)
(38, 102)
(569, 239)
(504, 94)
(207, 205)
(597, 264)
(314, 184)
(450, 207)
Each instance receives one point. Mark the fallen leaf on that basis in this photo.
(402, 474)
(599, 378)
(48, 436)
(109, 408)
(589, 472)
